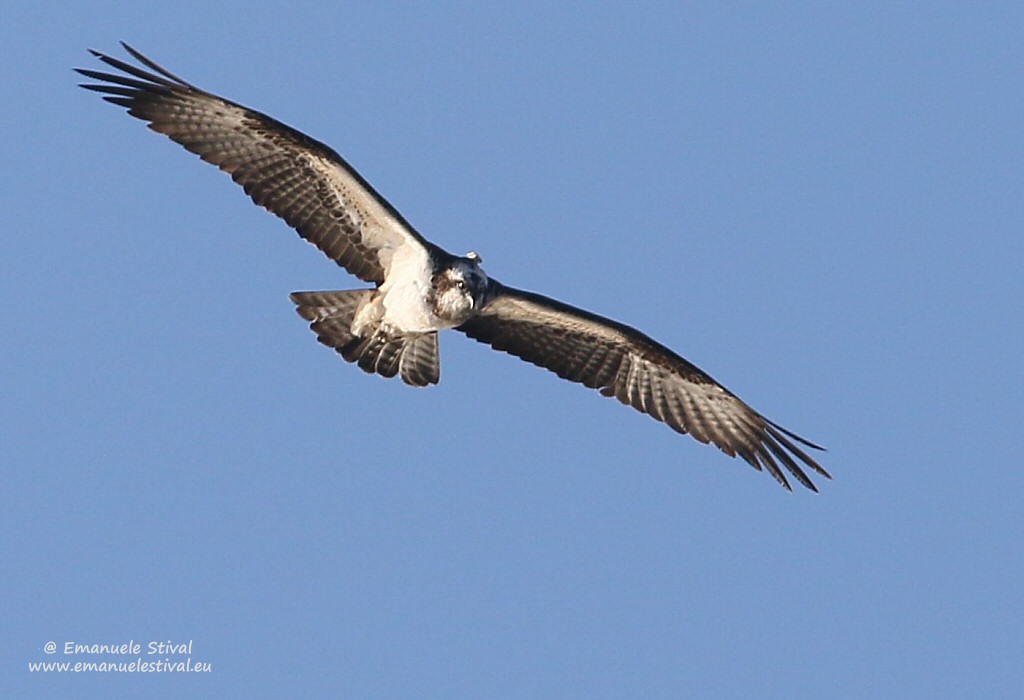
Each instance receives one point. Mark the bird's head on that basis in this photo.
(460, 288)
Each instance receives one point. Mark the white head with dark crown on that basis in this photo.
(459, 288)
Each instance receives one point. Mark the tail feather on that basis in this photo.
(381, 355)
(330, 314)
(419, 361)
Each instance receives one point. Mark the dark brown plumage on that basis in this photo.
(421, 289)
(621, 361)
(299, 179)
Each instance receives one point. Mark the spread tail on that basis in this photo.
(330, 314)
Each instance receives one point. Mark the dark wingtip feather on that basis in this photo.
(162, 76)
(153, 66)
(762, 460)
(773, 430)
(801, 440)
(126, 102)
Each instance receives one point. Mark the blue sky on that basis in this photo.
(820, 206)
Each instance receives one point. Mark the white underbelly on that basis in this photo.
(406, 308)
(405, 293)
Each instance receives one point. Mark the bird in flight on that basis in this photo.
(419, 289)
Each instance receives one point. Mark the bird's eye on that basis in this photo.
(462, 285)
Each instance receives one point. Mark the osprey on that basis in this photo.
(419, 288)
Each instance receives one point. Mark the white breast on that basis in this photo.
(405, 291)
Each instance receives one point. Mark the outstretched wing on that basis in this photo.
(290, 174)
(623, 362)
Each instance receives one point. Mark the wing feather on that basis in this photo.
(293, 176)
(622, 362)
